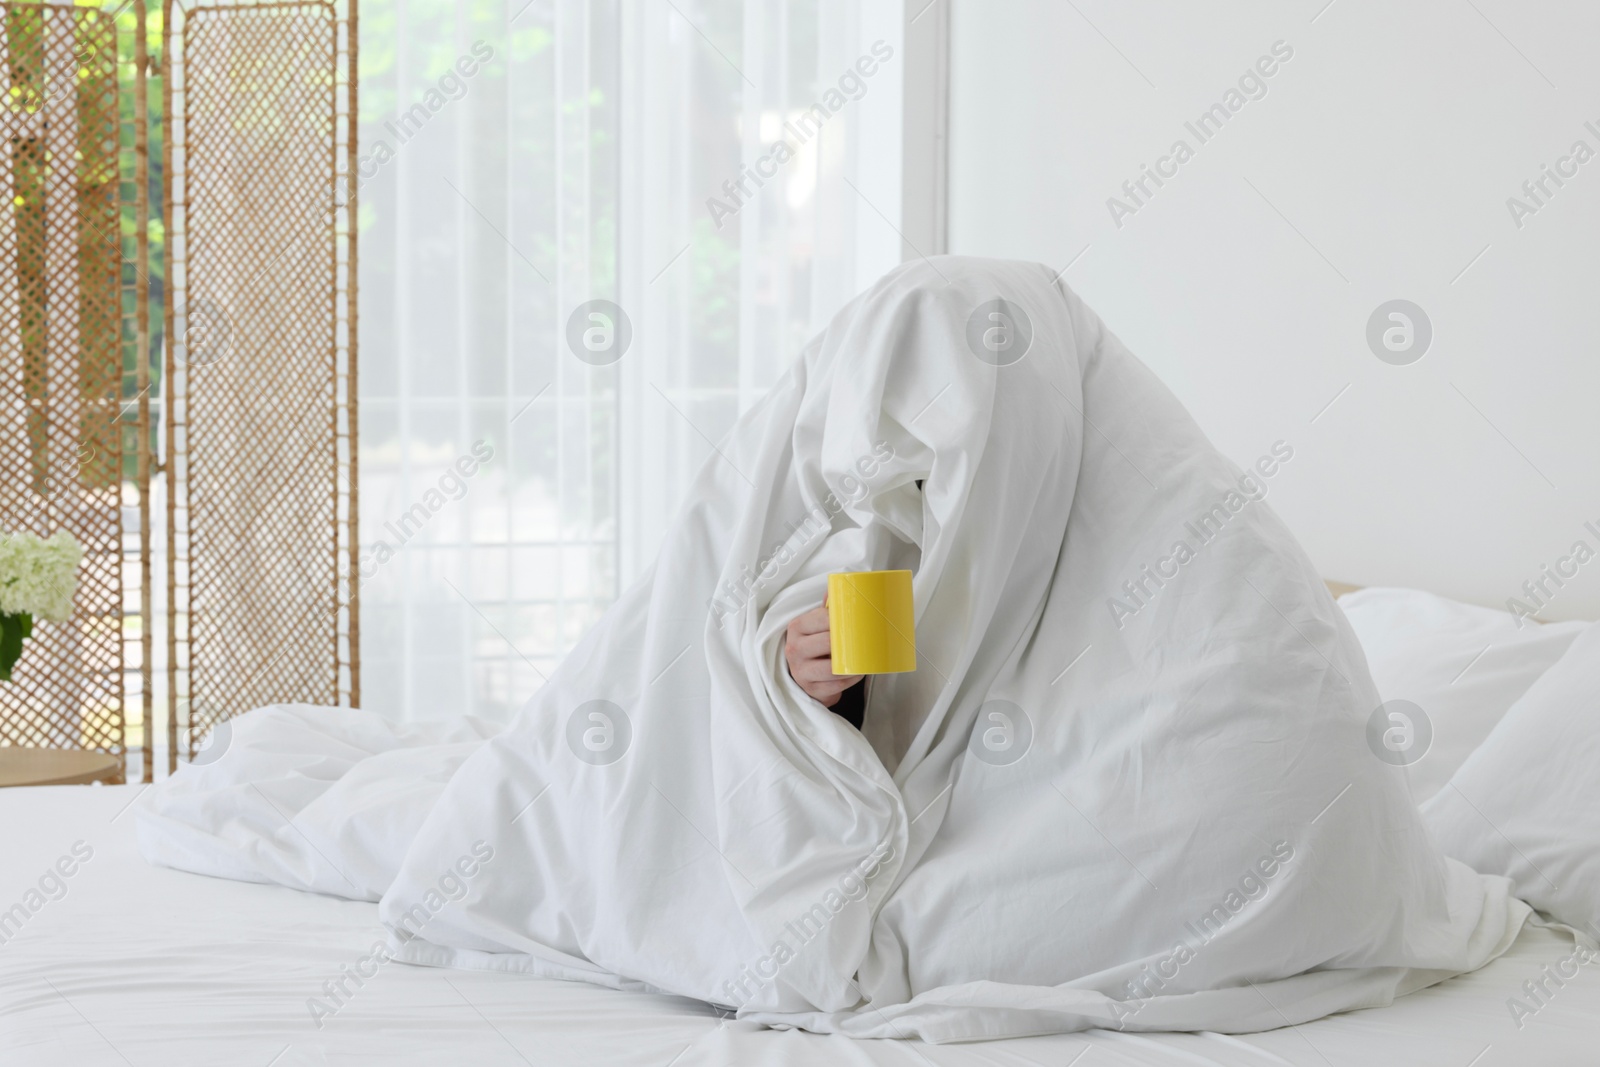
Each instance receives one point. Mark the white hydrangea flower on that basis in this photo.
(39, 577)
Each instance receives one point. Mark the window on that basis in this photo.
(519, 161)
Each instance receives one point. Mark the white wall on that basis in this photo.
(1377, 166)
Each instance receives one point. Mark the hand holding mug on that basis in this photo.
(808, 647)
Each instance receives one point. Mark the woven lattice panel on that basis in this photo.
(61, 362)
(260, 368)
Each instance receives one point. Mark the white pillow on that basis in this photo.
(1526, 804)
(1464, 666)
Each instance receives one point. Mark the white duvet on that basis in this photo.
(1129, 784)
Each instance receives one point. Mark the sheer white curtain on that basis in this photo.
(521, 161)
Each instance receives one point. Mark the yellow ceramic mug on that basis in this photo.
(871, 623)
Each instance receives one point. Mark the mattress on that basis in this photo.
(119, 962)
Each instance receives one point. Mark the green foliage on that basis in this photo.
(14, 629)
(127, 24)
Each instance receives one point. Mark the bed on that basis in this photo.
(140, 965)
(137, 964)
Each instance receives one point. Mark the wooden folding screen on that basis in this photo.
(63, 443)
(261, 369)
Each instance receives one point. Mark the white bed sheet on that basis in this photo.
(141, 965)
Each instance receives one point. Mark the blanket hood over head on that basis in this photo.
(1129, 784)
